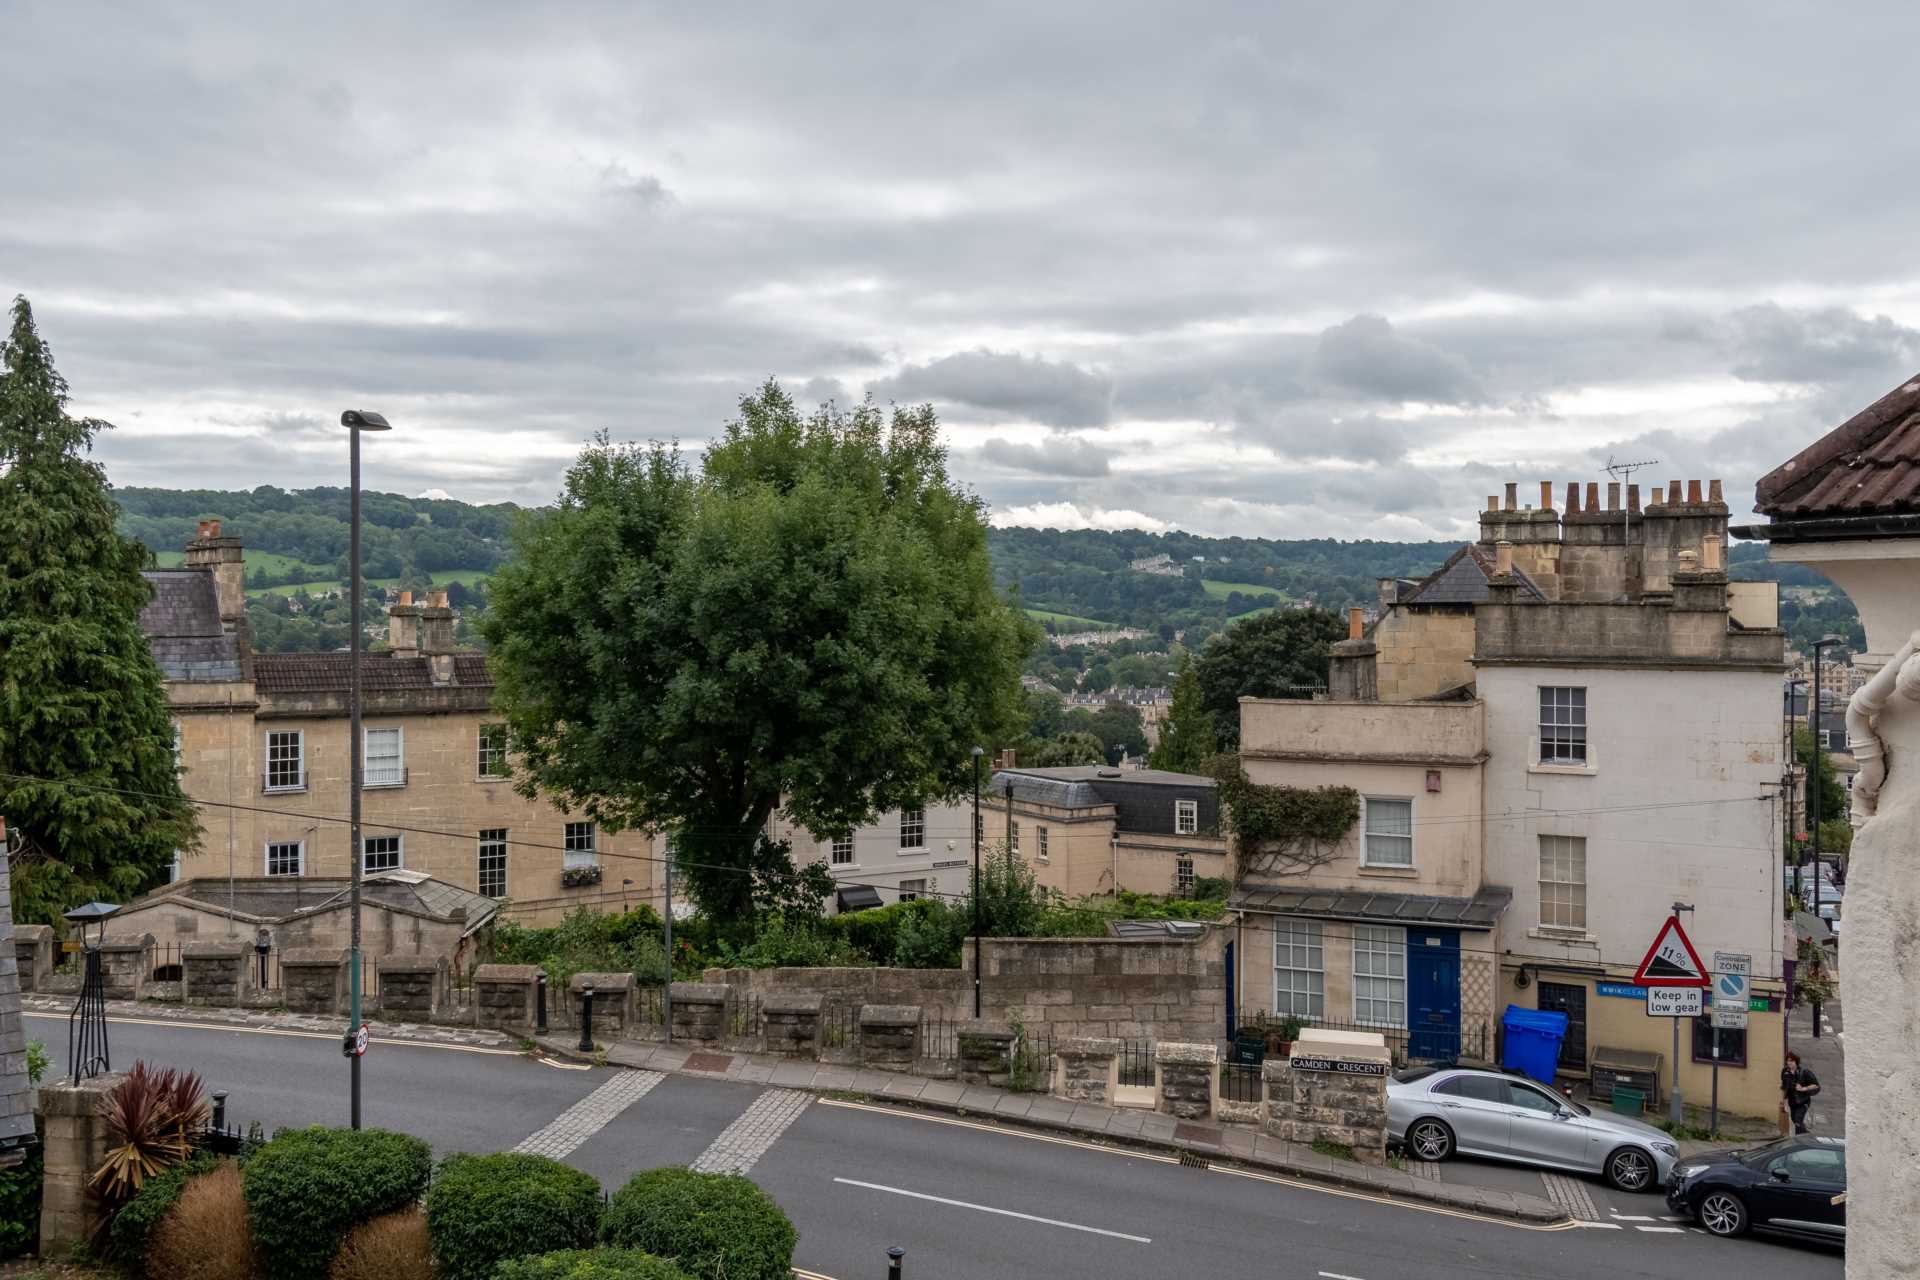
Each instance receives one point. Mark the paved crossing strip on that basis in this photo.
(753, 1132)
(590, 1115)
(1571, 1195)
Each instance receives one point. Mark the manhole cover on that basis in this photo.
(708, 1062)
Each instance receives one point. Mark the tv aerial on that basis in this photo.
(1623, 472)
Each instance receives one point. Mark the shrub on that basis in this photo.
(590, 1264)
(482, 1209)
(587, 942)
(205, 1236)
(130, 1227)
(20, 1185)
(393, 1246)
(781, 941)
(153, 1119)
(308, 1186)
(715, 1226)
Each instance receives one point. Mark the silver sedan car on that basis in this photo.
(1505, 1117)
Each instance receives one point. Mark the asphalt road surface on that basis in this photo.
(964, 1198)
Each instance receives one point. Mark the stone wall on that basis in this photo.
(123, 966)
(699, 1012)
(791, 1024)
(76, 1143)
(503, 995)
(947, 992)
(409, 988)
(612, 1003)
(1125, 988)
(1327, 1106)
(214, 973)
(889, 1036)
(986, 1054)
(33, 948)
(1188, 1076)
(314, 980)
(1086, 1069)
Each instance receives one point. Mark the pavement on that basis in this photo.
(976, 1194)
(1826, 1056)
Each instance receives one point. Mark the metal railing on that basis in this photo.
(1136, 1063)
(1239, 1083)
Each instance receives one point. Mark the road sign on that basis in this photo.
(354, 1043)
(1732, 962)
(1730, 997)
(1671, 961)
(1674, 1002)
(1730, 1017)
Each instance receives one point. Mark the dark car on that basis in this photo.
(1796, 1185)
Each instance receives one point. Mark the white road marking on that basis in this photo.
(1335, 1275)
(1674, 1217)
(1671, 1231)
(590, 1115)
(1601, 1226)
(282, 1031)
(1004, 1213)
(1632, 1217)
(753, 1132)
(565, 1066)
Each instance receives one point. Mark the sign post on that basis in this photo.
(1730, 997)
(1674, 978)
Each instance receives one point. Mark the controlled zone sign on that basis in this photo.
(1675, 1002)
(1671, 960)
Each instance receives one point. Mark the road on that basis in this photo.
(965, 1199)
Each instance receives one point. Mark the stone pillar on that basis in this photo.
(76, 1144)
(699, 1012)
(792, 1025)
(1189, 1078)
(504, 995)
(124, 970)
(889, 1036)
(1877, 986)
(33, 947)
(16, 1088)
(612, 1003)
(986, 1054)
(314, 979)
(1331, 1092)
(1087, 1070)
(216, 973)
(410, 986)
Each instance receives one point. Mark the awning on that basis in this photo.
(859, 897)
(1480, 912)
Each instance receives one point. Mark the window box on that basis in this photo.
(580, 877)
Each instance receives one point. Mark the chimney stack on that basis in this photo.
(1513, 495)
(403, 625)
(1693, 493)
(1493, 502)
(1546, 495)
(1673, 493)
(225, 559)
(436, 636)
(1593, 495)
(1356, 622)
(1633, 498)
(1573, 497)
(1713, 492)
(1710, 551)
(1502, 559)
(1689, 561)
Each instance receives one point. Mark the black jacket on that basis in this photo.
(1790, 1078)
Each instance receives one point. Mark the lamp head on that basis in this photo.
(364, 420)
(978, 752)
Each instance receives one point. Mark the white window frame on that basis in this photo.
(491, 842)
(1564, 892)
(580, 842)
(913, 830)
(298, 760)
(910, 890)
(1368, 835)
(299, 848)
(398, 776)
(1376, 949)
(1558, 719)
(399, 854)
(481, 770)
(1183, 876)
(1186, 817)
(840, 852)
(1013, 835)
(1040, 851)
(1299, 968)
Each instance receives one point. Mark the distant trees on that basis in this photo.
(1188, 739)
(1274, 655)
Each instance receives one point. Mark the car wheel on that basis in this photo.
(1630, 1169)
(1429, 1140)
(1723, 1213)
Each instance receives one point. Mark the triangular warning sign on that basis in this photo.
(1671, 960)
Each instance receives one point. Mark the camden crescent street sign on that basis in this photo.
(1339, 1066)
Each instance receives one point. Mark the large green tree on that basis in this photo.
(1282, 654)
(1187, 737)
(88, 784)
(808, 623)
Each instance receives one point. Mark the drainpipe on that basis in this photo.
(1865, 744)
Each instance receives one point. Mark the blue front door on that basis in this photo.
(1433, 995)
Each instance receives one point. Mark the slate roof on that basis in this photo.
(1481, 911)
(379, 673)
(1868, 465)
(1461, 580)
(182, 626)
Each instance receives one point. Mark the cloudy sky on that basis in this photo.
(1280, 270)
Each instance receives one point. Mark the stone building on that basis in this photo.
(1081, 828)
(1571, 725)
(264, 747)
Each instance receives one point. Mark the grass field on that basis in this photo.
(1221, 590)
(439, 578)
(1069, 620)
(272, 561)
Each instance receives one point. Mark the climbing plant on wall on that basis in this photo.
(1281, 830)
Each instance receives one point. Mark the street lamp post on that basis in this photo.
(355, 421)
(977, 753)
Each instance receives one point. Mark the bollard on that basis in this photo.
(586, 1019)
(893, 1262)
(219, 1110)
(540, 1009)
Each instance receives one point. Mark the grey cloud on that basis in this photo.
(1366, 357)
(1054, 457)
(1772, 344)
(644, 189)
(1029, 387)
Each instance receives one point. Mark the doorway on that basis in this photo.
(1559, 997)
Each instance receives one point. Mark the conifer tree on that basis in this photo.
(88, 784)
(1187, 738)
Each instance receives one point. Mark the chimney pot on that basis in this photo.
(1633, 497)
(213, 528)
(1546, 495)
(1673, 493)
(1693, 493)
(1688, 559)
(1502, 559)
(1513, 494)
(1573, 497)
(1713, 492)
(1356, 622)
(406, 597)
(1593, 495)
(1613, 495)
(203, 531)
(1493, 502)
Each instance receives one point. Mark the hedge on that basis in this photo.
(590, 1264)
(715, 1226)
(156, 1196)
(482, 1209)
(307, 1187)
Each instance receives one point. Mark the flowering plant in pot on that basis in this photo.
(579, 877)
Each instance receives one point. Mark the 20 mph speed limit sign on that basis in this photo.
(354, 1044)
